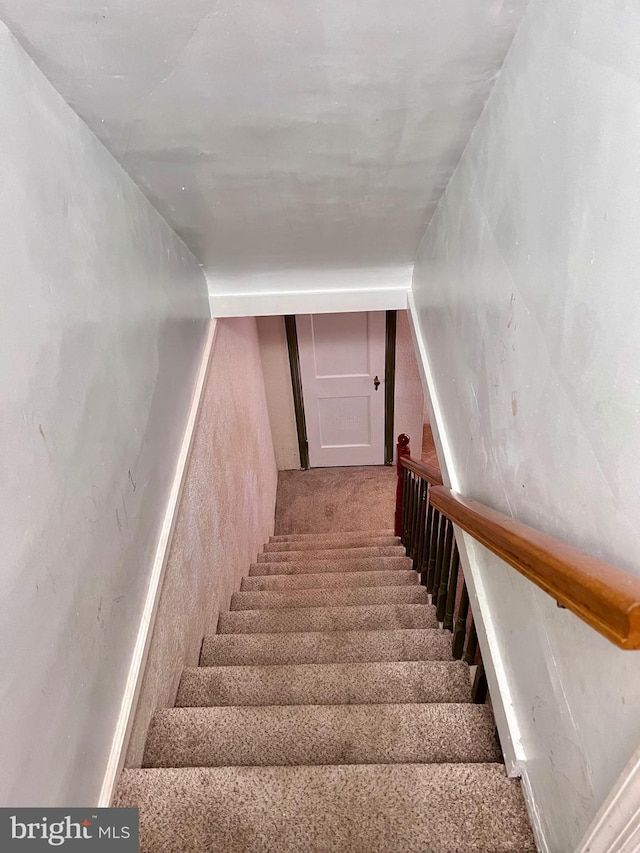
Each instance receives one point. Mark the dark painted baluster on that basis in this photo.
(444, 524)
(413, 503)
(412, 513)
(457, 646)
(422, 526)
(416, 519)
(472, 645)
(453, 589)
(424, 559)
(433, 549)
(480, 687)
(443, 589)
(406, 508)
(402, 449)
(417, 506)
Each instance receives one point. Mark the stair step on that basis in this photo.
(350, 597)
(363, 618)
(333, 537)
(326, 684)
(329, 580)
(401, 808)
(326, 647)
(369, 564)
(353, 541)
(314, 734)
(332, 554)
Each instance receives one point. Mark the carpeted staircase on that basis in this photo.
(327, 715)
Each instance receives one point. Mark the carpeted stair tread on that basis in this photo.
(356, 535)
(326, 647)
(326, 684)
(443, 808)
(350, 618)
(327, 714)
(348, 597)
(367, 564)
(354, 541)
(321, 734)
(330, 580)
(343, 554)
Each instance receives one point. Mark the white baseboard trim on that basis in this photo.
(147, 621)
(533, 811)
(310, 302)
(616, 827)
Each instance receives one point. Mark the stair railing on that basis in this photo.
(602, 595)
(427, 535)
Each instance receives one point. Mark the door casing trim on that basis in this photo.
(296, 387)
(389, 385)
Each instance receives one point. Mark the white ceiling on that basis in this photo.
(280, 134)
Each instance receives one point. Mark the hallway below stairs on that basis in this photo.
(327, 712)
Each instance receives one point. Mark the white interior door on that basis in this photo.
(342, 356)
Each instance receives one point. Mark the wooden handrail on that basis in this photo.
(604, 596)
(427, 472)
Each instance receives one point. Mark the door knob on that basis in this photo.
(376, 383)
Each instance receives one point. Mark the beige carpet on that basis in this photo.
(334, 500)
(324, 500)
(327, 713)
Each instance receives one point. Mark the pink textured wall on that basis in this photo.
(226, 514)
(409, 398)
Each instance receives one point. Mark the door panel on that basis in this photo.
(340, 356)
(340, 344)
(344, 421)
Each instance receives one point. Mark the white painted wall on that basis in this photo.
(312, 292)
(103, 320)
(527, 304)
(409, 400)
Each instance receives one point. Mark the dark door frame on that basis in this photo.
(296, 387)
(389, 387)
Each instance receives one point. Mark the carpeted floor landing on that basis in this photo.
(334, 500)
